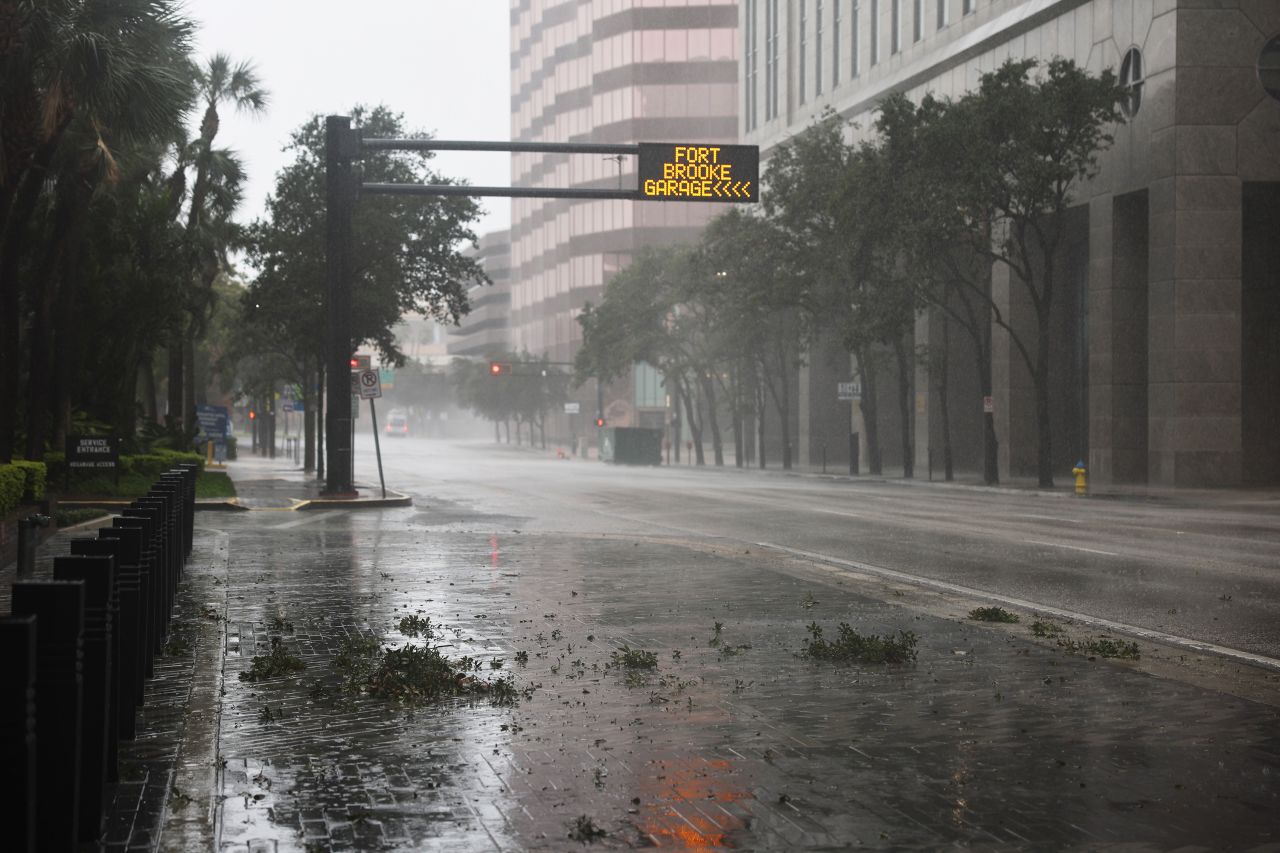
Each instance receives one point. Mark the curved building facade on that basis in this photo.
(606, 71)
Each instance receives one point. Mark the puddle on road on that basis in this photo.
(740, 745)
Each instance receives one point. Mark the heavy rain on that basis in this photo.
(764, 425)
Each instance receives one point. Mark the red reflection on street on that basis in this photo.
(493, 551)
(688, 788)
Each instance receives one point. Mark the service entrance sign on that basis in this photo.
(686, 172)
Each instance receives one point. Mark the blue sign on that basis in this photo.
(215, 421)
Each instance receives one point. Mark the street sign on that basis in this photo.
(572, 408)
(689, 172)
(213, 421)
(355, 383)
(370, 385)
(849, 390)
(988, 405)
(92, 451)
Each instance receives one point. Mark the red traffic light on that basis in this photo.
(599, 422)
(355, 363)
(499, 368)
(252, 414)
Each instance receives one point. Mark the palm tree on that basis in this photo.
(103, 64)
(219, 82)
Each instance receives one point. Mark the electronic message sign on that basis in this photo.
(689, 172)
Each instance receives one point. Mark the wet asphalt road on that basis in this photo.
(548, 572)
(1204, 567)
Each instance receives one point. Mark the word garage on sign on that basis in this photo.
(674, 172)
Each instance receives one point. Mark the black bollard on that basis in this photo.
(152, 510)
(134, 611)
(162, 544)
(59, 609)
(98, 576)
(163, 547)
(111, 549)
(149, 586)
(171, 496)
(187, 474)
(18, 731)
(28, 539)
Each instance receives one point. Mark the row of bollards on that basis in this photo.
(78, 650)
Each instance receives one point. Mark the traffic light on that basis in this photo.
(252, 414)
(600, 421)
(499, 368)
(355, 363)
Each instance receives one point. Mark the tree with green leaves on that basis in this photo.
(80, 81)
(406, 252)
(651, 313)
(1017, 148)
(751, 297)
(208, 231)
(846, 270)
(526, 394)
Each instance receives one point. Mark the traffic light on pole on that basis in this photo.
(499, 368)
(355, 363)
(599, 421)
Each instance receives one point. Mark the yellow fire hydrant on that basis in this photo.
(1082, 477)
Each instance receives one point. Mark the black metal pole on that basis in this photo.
(339, 185)
(377, 446)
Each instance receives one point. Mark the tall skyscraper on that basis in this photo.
(610, 71)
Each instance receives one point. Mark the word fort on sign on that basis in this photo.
(683, 172)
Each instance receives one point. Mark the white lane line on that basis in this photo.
(1132, 630)
(1053, 518)
(309, 518)
(1071, 547)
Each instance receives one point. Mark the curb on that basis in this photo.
(393, 499)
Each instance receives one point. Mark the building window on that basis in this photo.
(967, 6)
(853, 38)
(804, 44)
(942, 13)
(875, 31)
(817, 47)
(895, 26)
(1131, 81)
(770, 59)
(752, 56)
(917, 22)
(835, 43)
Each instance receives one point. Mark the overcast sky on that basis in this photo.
(444, 64)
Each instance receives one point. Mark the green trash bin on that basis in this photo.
(631, 446)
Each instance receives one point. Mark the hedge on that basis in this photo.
(13, 481)
(36, 474)
(151, 464)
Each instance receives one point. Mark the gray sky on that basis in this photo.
(444, 64)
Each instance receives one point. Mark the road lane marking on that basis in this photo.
(1072, 547)
(970, 592)
(1053, 518)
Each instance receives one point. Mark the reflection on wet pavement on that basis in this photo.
(988, 740)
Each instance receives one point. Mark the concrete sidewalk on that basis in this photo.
(993, 738)
(264, 482)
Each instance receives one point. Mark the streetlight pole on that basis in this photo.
(340, 185)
